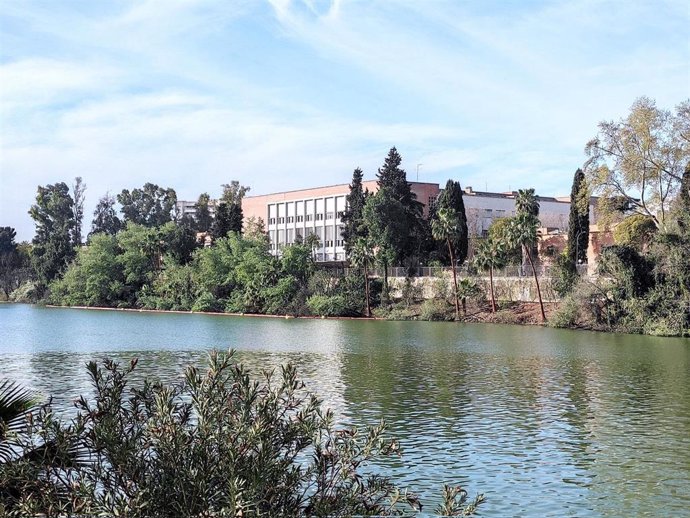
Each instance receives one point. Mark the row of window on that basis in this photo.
(301, 219)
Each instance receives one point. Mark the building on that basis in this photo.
(290, 214)
(318, 210)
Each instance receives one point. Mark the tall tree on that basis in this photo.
(229, 210)
(527, 204)
(448, 227)
(78, 188)
(14, 262)
(523, 232)
(362, 257)
(578, 223)
(352, 219)
(640, 159)
(151, 206)
(202, 213)
(684, 201)
(452, 199)
(397, 201)
(489, 255)
(54, 218)
(105, 218)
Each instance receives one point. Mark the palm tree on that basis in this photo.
(523, 232)
(490, 254)
(16, 402)
(361, 256)
(526, 202)
(446, 227)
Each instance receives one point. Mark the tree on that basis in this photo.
(78, 189)
(640, 159)
(14, 262)
(398, 201)
(229, 210)
(387, 226)
(94, 278)
(352, 218)
(635, 231)
(489, 255)
(498, 231)
(202, 213)
(448, 227)
(151, 206)
(105, 218)
(54, 218)
(523, 232)
(452, 198)
(361, 256)
(526, 203)
(683, 210)
(578, 223)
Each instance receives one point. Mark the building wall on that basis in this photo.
(315, 211)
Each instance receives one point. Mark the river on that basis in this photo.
(545, 422)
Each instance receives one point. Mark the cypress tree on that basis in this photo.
(398, 201)
(452, 199)
(578, 223)
(353, 225)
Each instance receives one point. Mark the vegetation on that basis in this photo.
(220, 443)
(154, 260)
(636, 164)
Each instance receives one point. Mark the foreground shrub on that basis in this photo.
(218, 444)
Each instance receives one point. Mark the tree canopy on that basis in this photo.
(150, 206)
(578, 222)
(640, 159)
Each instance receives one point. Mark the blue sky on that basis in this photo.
(285, 94)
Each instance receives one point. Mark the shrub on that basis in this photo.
(436, 309)
(328, 306)
(205, 302)
(218, 444)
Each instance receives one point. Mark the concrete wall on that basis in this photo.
(512, 289)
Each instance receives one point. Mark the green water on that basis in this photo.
(544, 422)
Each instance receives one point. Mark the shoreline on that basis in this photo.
(212, 313)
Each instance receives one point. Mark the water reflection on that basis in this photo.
(545, 422)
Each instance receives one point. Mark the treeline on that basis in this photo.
(149, 256)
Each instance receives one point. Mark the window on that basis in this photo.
(319, 217)
(329, 215)
(310, 217)
(291, 219)
(281, 221)
(300, 219)
(271, 221)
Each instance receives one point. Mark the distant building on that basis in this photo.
(318, 210)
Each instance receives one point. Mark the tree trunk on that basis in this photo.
(536, 281)
(455, 280)
(491, 284)
(366, 290)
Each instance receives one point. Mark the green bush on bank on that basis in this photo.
(218, 444)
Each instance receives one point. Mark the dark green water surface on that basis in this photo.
(544, 422)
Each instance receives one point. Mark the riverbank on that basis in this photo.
(518, 313)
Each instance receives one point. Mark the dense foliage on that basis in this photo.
(221, 443)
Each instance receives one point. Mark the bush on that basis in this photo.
(328, 306)
(566, 315)
(219, 444)
(436, 310)
(206, 302)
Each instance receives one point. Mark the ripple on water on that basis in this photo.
(546, 423)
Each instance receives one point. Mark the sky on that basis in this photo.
(289, 94)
